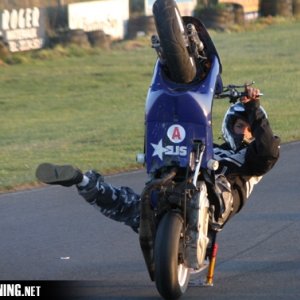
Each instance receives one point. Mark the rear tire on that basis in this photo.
(171, 276)
(174, 41)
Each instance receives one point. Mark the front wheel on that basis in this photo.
(174, 41)
(170, 274)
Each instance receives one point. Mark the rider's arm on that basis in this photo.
(263, 152)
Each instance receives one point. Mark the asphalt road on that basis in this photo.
(51, 233)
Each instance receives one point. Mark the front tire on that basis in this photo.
(174, 41)
(170, 274)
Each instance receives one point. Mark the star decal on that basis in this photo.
(158, 149)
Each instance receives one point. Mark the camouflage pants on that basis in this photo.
(120, 204)
(123, 204)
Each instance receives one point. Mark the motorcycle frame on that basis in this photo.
(189, 107)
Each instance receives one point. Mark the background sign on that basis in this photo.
(251, 7)
(109, 16)
(248, 5)
(23, 28)
(186, 7)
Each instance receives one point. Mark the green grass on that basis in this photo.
(87, 108)
(270, 58)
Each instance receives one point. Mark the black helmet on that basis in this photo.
(236, 111)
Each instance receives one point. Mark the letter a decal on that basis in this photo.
(176, 134)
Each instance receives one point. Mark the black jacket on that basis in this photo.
(245, 167)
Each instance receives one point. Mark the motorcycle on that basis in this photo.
(180, 207)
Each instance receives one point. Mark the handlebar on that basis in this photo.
(233, 94)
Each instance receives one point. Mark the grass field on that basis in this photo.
(88, 110)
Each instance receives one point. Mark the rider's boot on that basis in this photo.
(223, 189)
(65, 175)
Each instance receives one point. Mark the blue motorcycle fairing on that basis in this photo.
(176, 116)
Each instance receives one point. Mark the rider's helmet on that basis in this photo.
(236, 111)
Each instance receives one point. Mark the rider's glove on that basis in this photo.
(252, 94)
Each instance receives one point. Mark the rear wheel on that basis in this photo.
(171, 276)
(174, 41)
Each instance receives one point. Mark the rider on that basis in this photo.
(250, 150)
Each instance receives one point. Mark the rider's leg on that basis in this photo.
(223, 189)
(120, 204)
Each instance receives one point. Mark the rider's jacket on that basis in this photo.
(246, 166)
